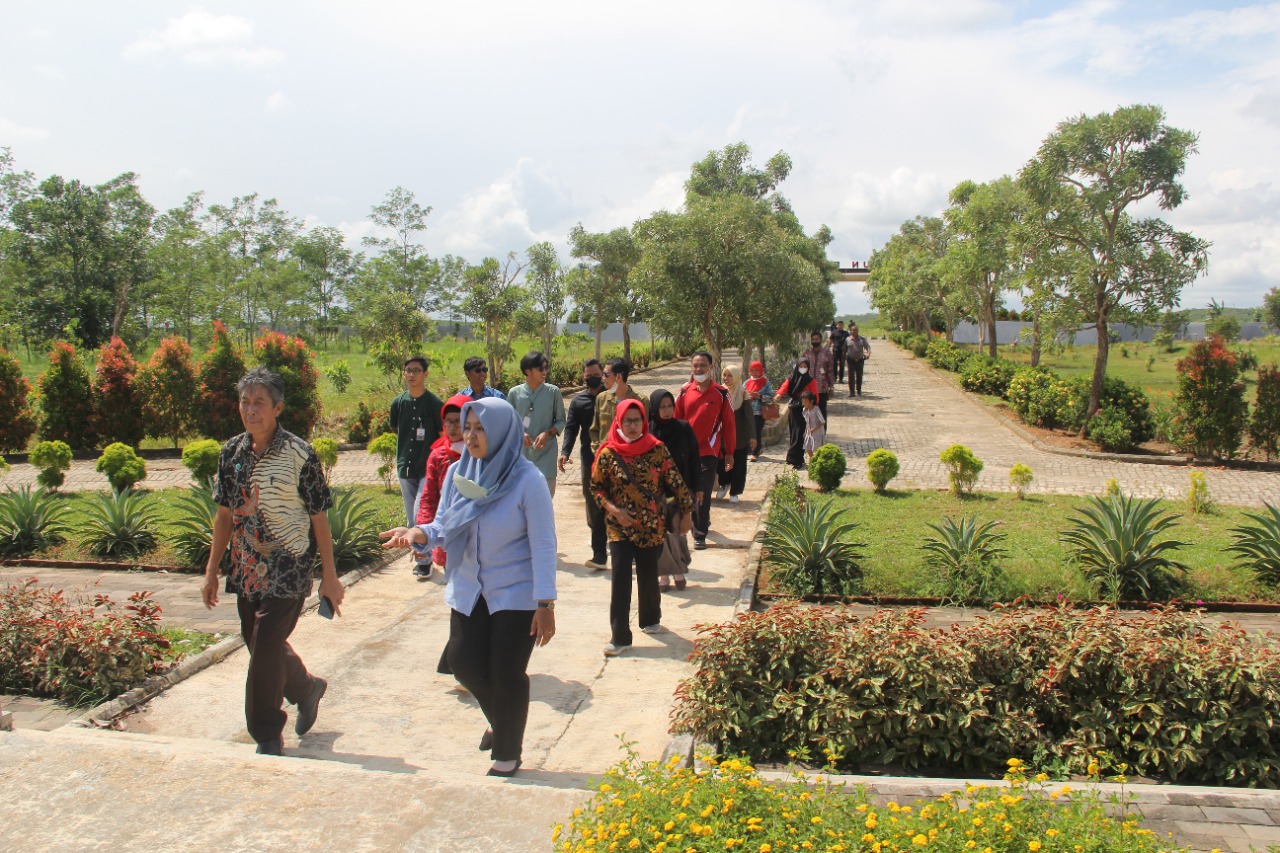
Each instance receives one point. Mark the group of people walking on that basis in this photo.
(812, 382)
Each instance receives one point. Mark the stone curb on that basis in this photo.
(106, 713)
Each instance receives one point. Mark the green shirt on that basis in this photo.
(408, 414)
(540, 411)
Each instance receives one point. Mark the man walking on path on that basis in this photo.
(705, 405)
(540, 407)
(859, 350)
(478, 380)
(582, 411)
(616, 373)
(839, 337)
(415, 418)
(822, 369)
(272, 497)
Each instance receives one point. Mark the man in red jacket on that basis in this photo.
(705, 405)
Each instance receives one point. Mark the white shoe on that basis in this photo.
(733, 499)
(724, 490)
(612, 651)
(653, 629)
(592, 564)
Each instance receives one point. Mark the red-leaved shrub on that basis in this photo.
(294, 361)
(17, 423)
(1264, 429)
(1210, 400)
(65, 403)
(167, 384)
(117, 412)
(218, 410)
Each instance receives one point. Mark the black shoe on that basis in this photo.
(505, 774)
(271, 747)
(310, 706)
(422, 570)
(699, 544)
(486, 740)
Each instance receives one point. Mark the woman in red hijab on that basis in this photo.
(446, 451)
(632, 480)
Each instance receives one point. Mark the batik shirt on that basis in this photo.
(272, 498)
(656, 472)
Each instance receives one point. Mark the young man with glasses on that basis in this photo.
(477, 380)
(540, 406)
(415, 418)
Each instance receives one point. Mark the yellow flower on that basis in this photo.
(1052, 833)
(633, 843)
(920, 841)
(766, 848)
(1033, 846)
(815, 820)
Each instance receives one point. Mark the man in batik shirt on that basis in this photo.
(272, 496)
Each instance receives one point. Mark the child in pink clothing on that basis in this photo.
(815, 425)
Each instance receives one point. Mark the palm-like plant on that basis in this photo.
(195, 528)
(1259, 544)
(811, 552)
(29, 520)
(966, 555)
(1115, 542)
(354, 524)
(119, 525)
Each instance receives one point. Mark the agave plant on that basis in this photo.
(119, 525)
(195, 527)
(29, 520)
(1115, 542)
(810, 550)
(353, 522)
(1259, 544)
(966, 555)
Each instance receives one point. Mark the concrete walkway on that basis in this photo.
(393, 760)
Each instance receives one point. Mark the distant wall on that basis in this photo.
(1009, 331)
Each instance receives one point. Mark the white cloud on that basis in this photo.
(525, 205)
(278, 103)
(202, 38)
(11, 131)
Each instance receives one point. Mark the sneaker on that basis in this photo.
(309, 707)
(598, 565)
(724, 490)
(699, 544)
(653, 629)
(612, 651)
(422, 571)
(271, 747)
(733, 499)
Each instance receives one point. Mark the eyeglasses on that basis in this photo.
(410, 371)
(633, 421)
(480, 370)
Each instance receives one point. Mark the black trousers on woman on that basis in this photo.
(795, 436)
(489, 655)
(758, 420)
(645, 560)
(736, 479)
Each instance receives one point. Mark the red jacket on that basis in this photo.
(711, 416)
(438, 462)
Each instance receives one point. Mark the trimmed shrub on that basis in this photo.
(384, 447)
(1020, 478)
(963, 468)
(983, 374)
(17, 422)
(1199, 501)
(882, 466)
(943, 354)
(201, 459)
(66, 401)
(1126, 405)
(53, 458)
(1111, 430)
(122, 466)
(327, 452)
(117, 411)
(1264, 429)
(827, 467)
(1041, 397)
(294, 361)
(4, 466)
(168, 387)
(221, 369)
(1211, 408)
(360, 431)
(339, 375)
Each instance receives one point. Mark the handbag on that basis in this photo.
(770, 411)
(675, 557)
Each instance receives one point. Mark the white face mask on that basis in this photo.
(700, 377)
(457, 446)
(804, 369)
(470, 488)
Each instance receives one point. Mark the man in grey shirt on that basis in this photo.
(540, 407)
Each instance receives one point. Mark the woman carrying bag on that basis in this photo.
(682, 444)
(796, 384)
(632, 476)
(760, 393)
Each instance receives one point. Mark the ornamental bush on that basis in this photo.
(1212, 411)
(201, 459)
(66, 401)
(384, 447)
(963, 468)
(827, 467)
(294, 361)
(1042, 398)
(117, 412)
(1264, 429)
(1159, 691)
(339, 374)
(1020, 477)
(168, 387)
(882, 466)
(53, 458)
(1111, 431)
(1127, 405)
(983, 374)
(327, 452)
(123, 467)
(17, 422)
(360, 429)
(946, 355)
(219, 406)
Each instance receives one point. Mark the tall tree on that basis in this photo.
(1082, 183)
(906, 279)
(184, 292)
(585, 286)
(257, 237)
(1271, 308)
(615, 254)
(544, 281)
(980, 256)
(493, 298)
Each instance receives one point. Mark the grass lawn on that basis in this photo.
(387, 505)
(894, 525)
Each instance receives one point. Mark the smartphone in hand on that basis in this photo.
(326, 607)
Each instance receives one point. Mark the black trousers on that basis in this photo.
(736, 479)
(489, 654)
(822, 403)
(595, 516)
(839, 360)
(645, 561)
(707, 468)
(276, 673)
(855, 376)
(759, 424)
(795, 437)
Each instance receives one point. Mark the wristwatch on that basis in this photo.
(549, 605)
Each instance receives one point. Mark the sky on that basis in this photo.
(515, 120)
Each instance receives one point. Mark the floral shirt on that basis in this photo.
(272, 498)
(656, 472)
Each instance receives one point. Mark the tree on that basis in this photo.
(906, 280)
(493, 298)
(117, 413)
(615, 254)
(585, 286)
(168, 386)
(1082, 182)
(1271, 308)
(328, 267)
(982, 218)
(256, 239)
(187, 265)
(65, 400)
(546, 287)
(17, 423)
(218, 403)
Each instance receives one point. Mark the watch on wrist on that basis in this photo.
(548, 605)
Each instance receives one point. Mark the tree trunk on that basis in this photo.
(991, 325)
(746, 358)
(626, 339)
(599, 332)
(713, 345)
(1099, 372)
(1035, 339)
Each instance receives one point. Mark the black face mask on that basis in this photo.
(595, 381)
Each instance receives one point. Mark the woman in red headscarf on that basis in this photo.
(760, 393)
(632, 479)
(446, 451)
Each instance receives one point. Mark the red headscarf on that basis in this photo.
(456, 402)
(620, 445)
(754, 385)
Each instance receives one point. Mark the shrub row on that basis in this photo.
(1164, 693)
(171, 396)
